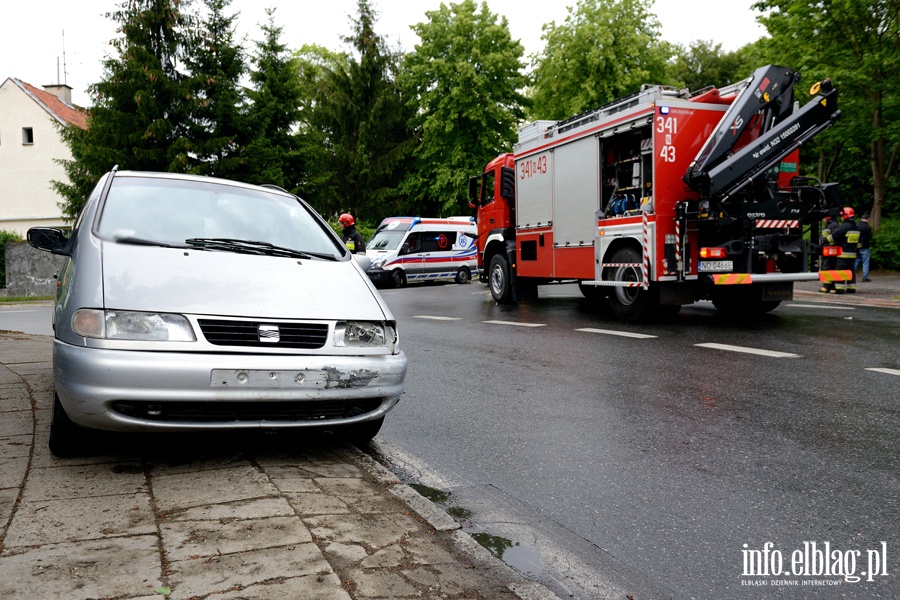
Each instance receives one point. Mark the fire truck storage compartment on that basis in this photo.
(535, 185)
(575, 181)
(627, 171)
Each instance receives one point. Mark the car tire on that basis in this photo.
(66, 438)
(463, 275)
(498, 279)
(398, 278)
(362, 433)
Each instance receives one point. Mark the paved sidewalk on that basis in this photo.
(218, 516)
(883, 290)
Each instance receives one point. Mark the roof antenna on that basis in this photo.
(65, 75)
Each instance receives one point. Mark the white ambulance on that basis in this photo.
(408, 249)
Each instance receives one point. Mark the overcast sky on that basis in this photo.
(32, 40)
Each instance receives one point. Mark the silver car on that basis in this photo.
(191, 303)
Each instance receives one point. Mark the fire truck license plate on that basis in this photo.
(708, 266)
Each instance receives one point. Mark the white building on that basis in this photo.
(29, 148)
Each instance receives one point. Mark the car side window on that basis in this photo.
(414, 242)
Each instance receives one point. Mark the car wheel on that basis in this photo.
(498, 279)
(398, 278)
(628, 303)
(362, 433)
(66, 438)
(463, 275)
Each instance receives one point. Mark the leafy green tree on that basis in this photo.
(139, 118)
(271, 153)
(216, 65)
(604, 50)
(464, 77)
(857, 44)
(703, 64)
(360, 111)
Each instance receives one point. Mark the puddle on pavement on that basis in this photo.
(525, 559)
(431, 493)
(459, 513)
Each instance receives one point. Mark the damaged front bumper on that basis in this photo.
(124, 390)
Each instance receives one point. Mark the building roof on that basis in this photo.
(60, 110)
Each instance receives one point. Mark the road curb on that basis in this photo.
(441, 521)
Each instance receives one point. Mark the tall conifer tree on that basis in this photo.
(139, 117)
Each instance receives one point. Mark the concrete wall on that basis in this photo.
(29, 272)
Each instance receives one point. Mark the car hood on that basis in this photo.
(207, 282)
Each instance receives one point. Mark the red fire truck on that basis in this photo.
(662, 198)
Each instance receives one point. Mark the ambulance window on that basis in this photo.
(487, 188)
(414, 242)
(438, 241)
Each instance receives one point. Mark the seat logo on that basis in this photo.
(269, 334)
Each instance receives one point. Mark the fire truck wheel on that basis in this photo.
(628, 303)
(463, 275)
(498, 279)
(398, 278)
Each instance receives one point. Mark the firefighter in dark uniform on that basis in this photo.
(829, 263)
(847, 237)
(350, 236)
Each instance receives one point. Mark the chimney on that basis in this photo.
(61, 91)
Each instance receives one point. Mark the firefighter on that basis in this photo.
(350, 236)
(829, 263)
(847, 237)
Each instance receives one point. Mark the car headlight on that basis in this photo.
(356, 334)
(131, 325)
(377, 263)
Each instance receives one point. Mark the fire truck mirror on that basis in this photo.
(473, 190)
(508, 184)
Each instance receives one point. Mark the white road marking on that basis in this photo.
(517, 324)
(436, 318)
(888, 371)
(6, 312)
(640, 336)
(823, 305)
(771, 353)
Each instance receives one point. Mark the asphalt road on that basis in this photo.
(610, 457)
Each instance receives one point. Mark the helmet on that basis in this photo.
(346, 219)
(848, 213)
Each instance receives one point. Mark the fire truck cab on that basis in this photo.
(660, 199)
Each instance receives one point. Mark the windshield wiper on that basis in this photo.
(253, 247)
(136, 241)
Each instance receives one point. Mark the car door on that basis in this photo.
(411, 256)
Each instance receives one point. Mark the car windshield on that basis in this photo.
(386, 240)
(169, 212)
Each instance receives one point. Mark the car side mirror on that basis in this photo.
(363, 261)
(48, 239)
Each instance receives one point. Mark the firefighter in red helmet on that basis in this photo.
(847, 237)
(350, 236)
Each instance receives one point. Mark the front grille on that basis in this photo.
(246, 333)
(225, 412)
